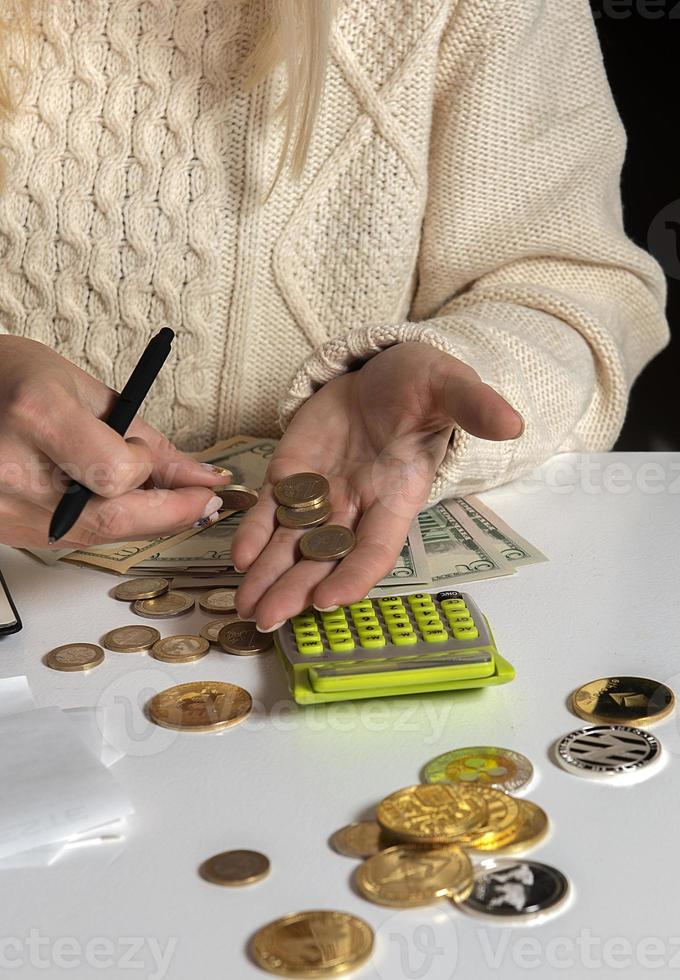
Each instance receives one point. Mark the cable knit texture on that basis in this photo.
(462, 190)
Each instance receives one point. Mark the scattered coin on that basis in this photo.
(607, 750)
(211, 631)
(75, 656)
(218, 601)
(313, 944)
(436, 813)
(200, 706)
(328, 543)
(141, 588)
(165, 606)
(302, 490)
(235, 868)
(623, 701)
(501, 823)
(243, 639)
(359, 840)
(405, 877)
(237, 498)
(303, 518)
(483, 765)
(181, 649)
(508, 889)
(530, 830)
(131, 639)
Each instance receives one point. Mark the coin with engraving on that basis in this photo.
(481, 765)
(235, 868)
(243, 639)
(237, 498)
(331, 542)
(165, 606)
(500, 824)
(405, 877)
(508, 889)
(359, 840)
(303, 518)
(623, 701)
(302, 490)
(531, 828)
(131, 639)
(141, 588)
(218, 601)
(211, 631)
(200, 706)
(75, 656)
(182, 649)
(607, 751)
(318, 943)
(437, 813)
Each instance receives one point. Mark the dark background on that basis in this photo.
(641, 46)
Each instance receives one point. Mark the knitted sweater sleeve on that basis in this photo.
(524, 272)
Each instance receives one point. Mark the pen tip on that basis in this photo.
(51, 540)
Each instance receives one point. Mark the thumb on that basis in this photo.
(172, 468)
(476, 407)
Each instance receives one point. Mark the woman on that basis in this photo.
(426, 236)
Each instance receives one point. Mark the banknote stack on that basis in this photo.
(454, 542)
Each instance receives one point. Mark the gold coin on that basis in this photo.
(531, 828)
(200, 706)
(75, 656)
(302, 490)
(141, 588)
(211, 631)
(359, 840)
(623, 701)
(182, 649)
(405, 877)
(501, 823)
(302, 518)
(218, 601)
(237, 498)
(131, 639)
(235, 868)
(313, 944)
(328, 543)
(243, 639)
(436, 813)
(165, 606)
(483, 765)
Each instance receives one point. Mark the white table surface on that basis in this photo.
(606, 603)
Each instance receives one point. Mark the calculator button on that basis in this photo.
(365, 605)
(310, 634)
(391, 605)
(449, 594)
(396, 617)
(460, 620)
(340, 645)
(416, 596)
(403, 638)
(310, 647)
(302, 622)
(435, 635)
(333, 619)
(372, 642)
(429, 623)
(420, 600)
(465, 632)
(338, 633)
(370, 629)
(365, 619)
(453, 605)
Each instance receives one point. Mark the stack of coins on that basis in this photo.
(303, 504)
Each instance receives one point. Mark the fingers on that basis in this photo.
(475, 406)
(255, 530)
(172, 468)
(278, 556)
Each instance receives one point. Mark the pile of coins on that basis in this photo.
(303, 503)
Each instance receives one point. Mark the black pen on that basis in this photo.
(70, 507)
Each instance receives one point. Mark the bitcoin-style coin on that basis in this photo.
(234, 868)
(302, 490)
(211, 631)
(75, 656)
(243, 639)
(131, 639)
(328, 543)
(500, 824)
(531, 828)
(607, 751)
(165, 606)
(359, 840)
(623, 701)
(218, 601)
(481, 765)
(507, 889)
(437, 813)
(313, 944)
(303, 518)
(182, 649)
(405, 877)
(237, 498)
(200, 706)
(141, 588)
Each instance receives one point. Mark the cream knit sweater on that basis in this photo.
(462, 190)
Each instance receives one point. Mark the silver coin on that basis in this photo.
(607, 750)
(507, 890)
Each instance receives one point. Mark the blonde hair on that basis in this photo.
(296, 34)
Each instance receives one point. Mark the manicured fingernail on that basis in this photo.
(217, 470)
(207, 521)
(239, 570)
(270, 629)
(325, 608)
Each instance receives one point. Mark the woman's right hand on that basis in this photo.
(51, 430)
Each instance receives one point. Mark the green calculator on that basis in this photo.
(392, 645)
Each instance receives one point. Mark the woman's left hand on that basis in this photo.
(378, 435)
